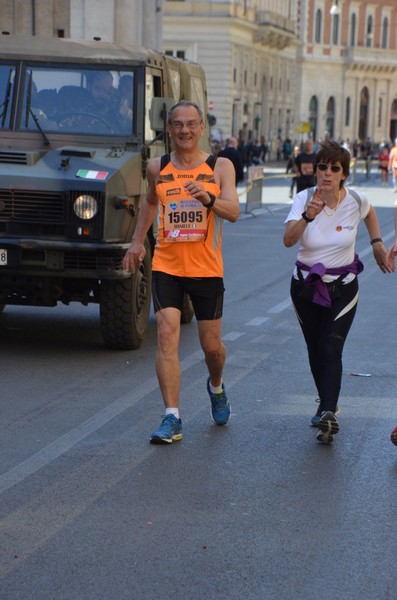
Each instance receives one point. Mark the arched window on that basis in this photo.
(347, 112)
(380, 112)
(313, 116)
(317, 31)
(370, 32)
(335, 30)
(353, 30)
(330, 120)
(364, 111)
(385, 33)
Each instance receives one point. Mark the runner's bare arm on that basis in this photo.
(147, 213)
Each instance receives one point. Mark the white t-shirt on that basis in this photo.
(330, 238)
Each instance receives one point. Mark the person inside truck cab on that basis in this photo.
(125, 94)
(103, 97)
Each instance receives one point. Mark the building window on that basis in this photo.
(234, 75)
(370, 33)
(330, 120)
(317, 31)
(385, 33)
(347, 112)
(335, 30)
(245, 77)
(175, 53)
(380, 111)
(353, 30)
(313, 116)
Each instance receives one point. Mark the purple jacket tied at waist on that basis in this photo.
(321, 295)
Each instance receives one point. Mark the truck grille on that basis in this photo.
(32, 212)
(81, 261)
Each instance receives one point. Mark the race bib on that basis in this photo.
(185, 221)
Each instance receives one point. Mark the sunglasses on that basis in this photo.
(324, 167)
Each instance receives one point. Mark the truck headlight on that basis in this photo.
(85, 207)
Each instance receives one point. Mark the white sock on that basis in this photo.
(216, 390)
(172, 411)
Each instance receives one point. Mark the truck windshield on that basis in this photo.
(79, 101)
(7, 77)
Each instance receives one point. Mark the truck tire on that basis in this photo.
(125, 307)
(187, 313)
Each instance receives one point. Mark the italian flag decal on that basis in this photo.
(86, 174)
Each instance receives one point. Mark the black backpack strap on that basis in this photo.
(164, 160)
(211, 160)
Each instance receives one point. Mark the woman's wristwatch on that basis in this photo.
(305, 217)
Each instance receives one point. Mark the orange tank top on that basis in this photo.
(189, 242)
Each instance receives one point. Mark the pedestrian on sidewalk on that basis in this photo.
(324, 287)
(230, 151)
(304, 167)
(189, 187)
(292, 169)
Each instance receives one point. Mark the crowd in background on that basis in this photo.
(254, 152)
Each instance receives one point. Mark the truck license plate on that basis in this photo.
(3, 257)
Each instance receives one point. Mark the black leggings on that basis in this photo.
(325, 331)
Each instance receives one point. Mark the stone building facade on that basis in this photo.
(136, 22)
(293, 68)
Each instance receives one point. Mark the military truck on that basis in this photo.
(78, 123)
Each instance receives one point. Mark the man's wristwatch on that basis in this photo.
(306, 218)
(212, 202)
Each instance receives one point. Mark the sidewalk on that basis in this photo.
(276, 186)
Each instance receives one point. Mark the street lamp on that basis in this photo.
(335, 8)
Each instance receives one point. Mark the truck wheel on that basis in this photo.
(125, 307)
(187, 313)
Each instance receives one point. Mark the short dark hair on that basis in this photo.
(332, 152)
(185, 103)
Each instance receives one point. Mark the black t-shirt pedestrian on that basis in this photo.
(305, 165)
(234, 156)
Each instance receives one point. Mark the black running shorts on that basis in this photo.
(206, 294)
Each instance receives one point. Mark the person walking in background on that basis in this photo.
(393, 164)
(292, 169)
(383, 160)
(197, 190)
(231, 152)
(304, 166)
(324, 287)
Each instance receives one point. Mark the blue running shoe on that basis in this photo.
(328, 426)
(169, 431)
(315, 420)
(220, 407)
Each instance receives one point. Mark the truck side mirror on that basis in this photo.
(159, 111)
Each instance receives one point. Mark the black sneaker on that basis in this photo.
(315, 420)
(328, 426)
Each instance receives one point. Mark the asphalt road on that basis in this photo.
(257, 510)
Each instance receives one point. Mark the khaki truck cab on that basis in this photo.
(78, 122)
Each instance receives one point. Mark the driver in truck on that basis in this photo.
(195, 192)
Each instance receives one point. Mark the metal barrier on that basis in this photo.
(254, 188)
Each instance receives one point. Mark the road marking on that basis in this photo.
(233, 335)
(257, 321)
(73, 437)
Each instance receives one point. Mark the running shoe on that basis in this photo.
(314, 421)
(328, 426)
(169, 431)
(220, 407)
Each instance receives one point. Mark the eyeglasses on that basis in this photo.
(189, 124)
(324, 167)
